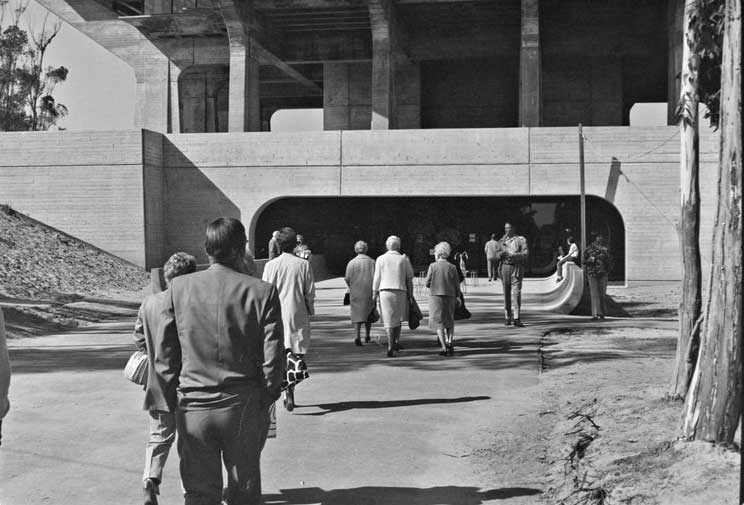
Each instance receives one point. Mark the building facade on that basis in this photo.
(470, 109)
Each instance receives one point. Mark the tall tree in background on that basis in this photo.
(26, 86)
(713, 404)
(700, 83)
(689, 225)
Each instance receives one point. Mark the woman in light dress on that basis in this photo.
(360, 272)
(444, 293)
(393, 287)
(294, 279)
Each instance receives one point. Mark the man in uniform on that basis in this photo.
(512, 254)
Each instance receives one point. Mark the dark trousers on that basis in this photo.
(493, 268)
(597, 292)
(235, 435)
(512, 291)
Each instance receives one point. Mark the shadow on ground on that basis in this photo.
(68, 359)
(330, 408)
(378, 495)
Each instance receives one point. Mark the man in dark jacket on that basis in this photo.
(220, 361)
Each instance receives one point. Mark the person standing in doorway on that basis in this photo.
(512, 255)
(302, 250)
(597, 266)
(274, 249)
(492, 260)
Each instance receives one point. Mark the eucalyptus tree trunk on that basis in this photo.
(713, 404)
(688, 341)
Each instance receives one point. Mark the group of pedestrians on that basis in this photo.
(218, 342)
(387, 283)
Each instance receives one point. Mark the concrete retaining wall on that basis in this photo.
(87, 184)
(145, 195)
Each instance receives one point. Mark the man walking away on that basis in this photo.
(512, 254)
(492, 260)
(220, 358)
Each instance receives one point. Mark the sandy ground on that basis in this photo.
(487, 426)
(617, 374)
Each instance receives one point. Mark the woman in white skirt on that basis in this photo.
(444, 293)
(360, 273)
(393, 287)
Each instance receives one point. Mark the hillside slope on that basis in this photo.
(50, 280)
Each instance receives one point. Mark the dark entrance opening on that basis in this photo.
(331, 226)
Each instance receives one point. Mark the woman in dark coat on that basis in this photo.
(444, 293)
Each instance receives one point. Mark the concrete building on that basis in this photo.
(473, 104)
(228, 65)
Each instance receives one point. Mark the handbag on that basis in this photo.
(296, 371)
(136, 368)
(347, 298)
(374, 316)
(414, 315)
(461, 312)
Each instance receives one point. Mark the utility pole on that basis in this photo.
(582, 184)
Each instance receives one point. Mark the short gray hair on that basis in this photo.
(393, 243)
(179, 264)
(361, 247)
(442, 250)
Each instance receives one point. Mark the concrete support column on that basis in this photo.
(675, 18)
(152, 107)
(408, 94)
(244, 107)
(174, 118)
(530, 66)
(383, 65)
(244, 113)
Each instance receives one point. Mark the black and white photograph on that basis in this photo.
(371, 252)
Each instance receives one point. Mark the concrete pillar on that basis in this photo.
(174, 118)
(530, 67)
(383, 65)
(152, 107)
(244, 113)
(408, 94)
(347, 96)
(675, 18)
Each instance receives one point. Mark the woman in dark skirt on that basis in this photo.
(444, 294)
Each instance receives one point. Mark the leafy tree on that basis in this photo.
(26, 85)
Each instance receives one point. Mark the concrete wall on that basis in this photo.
(636, 169)
(89, 185)
(143, 195)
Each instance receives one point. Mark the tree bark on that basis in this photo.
(688, 341)
(713, 404)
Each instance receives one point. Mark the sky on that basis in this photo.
(99, 91)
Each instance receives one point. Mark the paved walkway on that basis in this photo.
(417, 429)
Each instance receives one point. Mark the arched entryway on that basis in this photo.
(332, 225)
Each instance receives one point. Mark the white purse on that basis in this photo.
(136, 368)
